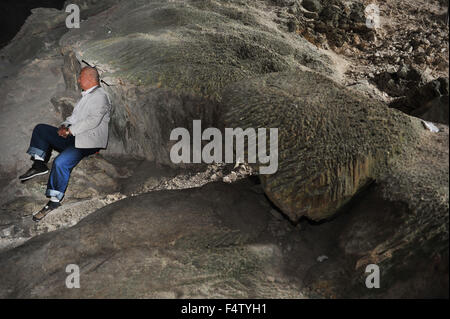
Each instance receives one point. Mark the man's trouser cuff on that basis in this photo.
(54, 193)
(35, 151)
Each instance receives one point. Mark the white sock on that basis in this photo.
(38, 158)
(54, 199)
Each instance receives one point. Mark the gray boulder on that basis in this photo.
(332, 142)
(166, 63)
(167, 244)
(226, 241)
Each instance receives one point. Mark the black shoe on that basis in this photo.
(47, 209)
(38, 168)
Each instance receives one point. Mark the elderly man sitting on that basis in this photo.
(83, 133)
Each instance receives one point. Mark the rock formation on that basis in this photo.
(167, 62)
(332, 142)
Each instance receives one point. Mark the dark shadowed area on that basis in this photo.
(13, 14)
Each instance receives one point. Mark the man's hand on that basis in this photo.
(63, 131)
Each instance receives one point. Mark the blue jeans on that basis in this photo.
(45, 138)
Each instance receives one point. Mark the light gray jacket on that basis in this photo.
(89, 119)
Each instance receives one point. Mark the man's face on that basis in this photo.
(84, 81)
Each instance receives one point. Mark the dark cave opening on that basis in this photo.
(13, 14)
